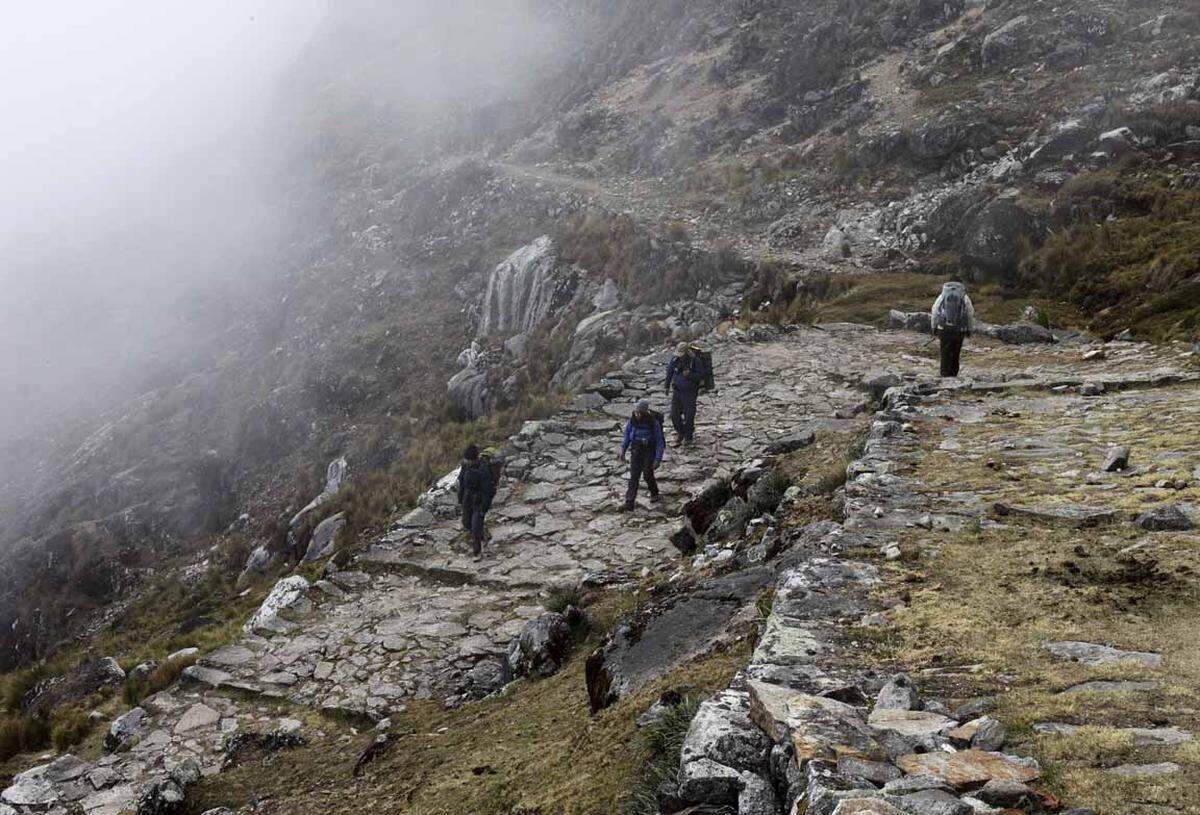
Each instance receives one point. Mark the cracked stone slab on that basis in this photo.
(1111, 686)
(1095, 655)
(1141, 736)
(816, 726)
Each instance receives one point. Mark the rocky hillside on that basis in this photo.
(583, 184)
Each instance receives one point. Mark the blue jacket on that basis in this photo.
(645, 432)
(476, 479)
(685, 374)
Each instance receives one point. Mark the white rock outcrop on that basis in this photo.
(288, 600)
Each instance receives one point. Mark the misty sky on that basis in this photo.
(128, 153)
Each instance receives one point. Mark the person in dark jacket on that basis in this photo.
(685, 373)
(645, 443)
(476, 489)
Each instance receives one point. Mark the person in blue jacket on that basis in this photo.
(645, 443)
(476, 489)
(685, 375)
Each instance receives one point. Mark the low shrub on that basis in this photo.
(22, 734)
(70, 727)
(662, 743)
(164, 676)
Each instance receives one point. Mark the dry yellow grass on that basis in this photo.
(988, 598)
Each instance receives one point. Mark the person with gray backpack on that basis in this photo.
(952, 319)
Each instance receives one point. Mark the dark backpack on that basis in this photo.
(655, 417)
(706, 369)
(495, 465)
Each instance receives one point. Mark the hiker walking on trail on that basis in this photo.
(689, 371)
(952, 319)
(645, 443)
(476, 488)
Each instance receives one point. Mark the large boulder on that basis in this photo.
(1169, 517)
(1018, 334)
(1008, 42)
(919, 321)
(936, 139)
(722, 749)
(335, 474)
(1068, 138)
(542, 646)
(998, 237)
(440, 500)
(286, 602)
(168, 795)
(126, 730)
(324, 537)
(480, 387)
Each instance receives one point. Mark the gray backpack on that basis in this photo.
(952, 313)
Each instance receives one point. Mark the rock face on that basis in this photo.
(86, 679)
(527, 288)
(666, 634)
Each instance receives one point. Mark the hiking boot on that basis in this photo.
(626, 508)
(654, 499)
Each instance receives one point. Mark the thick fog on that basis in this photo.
(132, 156)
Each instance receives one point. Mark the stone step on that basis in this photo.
(382, 561)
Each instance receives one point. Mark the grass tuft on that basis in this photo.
(662, 743)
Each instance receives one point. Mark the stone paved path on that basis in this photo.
(414, 617)
(418, 614)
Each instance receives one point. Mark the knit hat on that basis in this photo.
(642, 405)
(681, 349)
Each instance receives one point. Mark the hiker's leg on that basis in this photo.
(956, 344)
(635, 474)
(689, 416)
(946, 342)
(677, 412)
(648, 472)
(477, 531)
